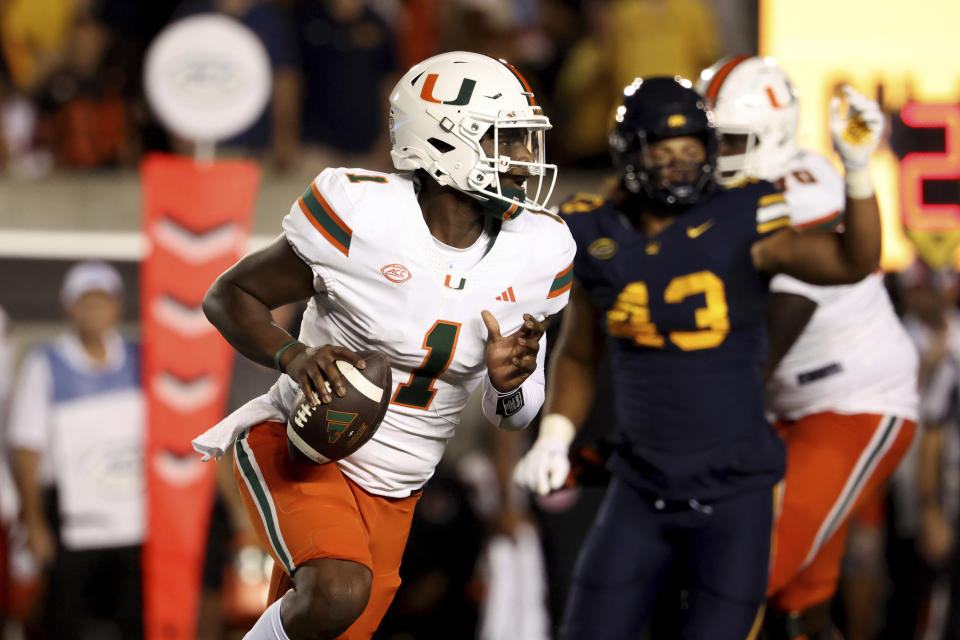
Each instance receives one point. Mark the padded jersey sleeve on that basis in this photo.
(815, 193)
(772, 210)
(320, 225)
(559, 269)
(816, 199)
(579, 212)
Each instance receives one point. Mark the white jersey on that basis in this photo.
(854, 355)
(384, 284)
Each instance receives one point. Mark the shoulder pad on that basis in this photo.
(326, 206)
(581, 202)
(815, 192)
(772, 210)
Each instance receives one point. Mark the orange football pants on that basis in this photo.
(302, 512)
(835, 464)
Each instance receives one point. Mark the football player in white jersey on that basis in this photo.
(841, 370)
(449, 266)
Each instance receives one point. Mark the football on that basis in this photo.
(331, 431)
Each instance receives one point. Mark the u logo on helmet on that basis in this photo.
(463, 96)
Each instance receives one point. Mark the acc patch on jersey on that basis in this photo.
(602, 248)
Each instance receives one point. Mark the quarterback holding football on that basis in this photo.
(450, 268)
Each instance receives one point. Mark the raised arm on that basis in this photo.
(837, 258)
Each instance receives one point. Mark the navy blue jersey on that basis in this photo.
(683, 312)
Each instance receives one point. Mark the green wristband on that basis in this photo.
(276, 357)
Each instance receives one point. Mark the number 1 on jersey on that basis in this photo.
(440, 343)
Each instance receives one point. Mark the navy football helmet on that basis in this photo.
(655, 109)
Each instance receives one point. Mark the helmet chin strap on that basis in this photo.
(501, 209)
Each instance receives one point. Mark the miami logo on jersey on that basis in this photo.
(449, 282)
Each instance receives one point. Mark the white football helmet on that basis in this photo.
(443, 106)
(752, 96)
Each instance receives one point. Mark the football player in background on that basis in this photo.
(842, 371)
(675, 272)
(449, 268)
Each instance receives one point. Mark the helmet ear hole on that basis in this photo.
(440, 145)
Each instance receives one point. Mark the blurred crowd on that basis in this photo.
(71, 90)
(484, 560)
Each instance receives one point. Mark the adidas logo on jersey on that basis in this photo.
(507, 296)
(303, 413)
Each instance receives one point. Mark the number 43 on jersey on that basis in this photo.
(630, 315)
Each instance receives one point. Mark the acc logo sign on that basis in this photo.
(395, 273)
(207, 77)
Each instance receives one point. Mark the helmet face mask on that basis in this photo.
(441, 112)
(753, 96)
(737, 158)
(662, 113)
(676, 168)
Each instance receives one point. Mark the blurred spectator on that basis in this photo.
(35, 35)
(19, 154)
(628, 39)
(490, 27)
(585, 90)
(348, 60)
(8, 498)
(76, 430)
(862, 586)
(930, 489)
(132, 26)
(83, 106)
(420, 30)
(277, 130)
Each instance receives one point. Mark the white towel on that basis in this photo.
(213, 442)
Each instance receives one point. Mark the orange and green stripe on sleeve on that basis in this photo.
(325, 220)
(828, 222)
(562, 283)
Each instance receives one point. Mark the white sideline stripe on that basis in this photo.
(58, 244)
(305, 448)
(283, 552)
(360, 383)
(889, 424)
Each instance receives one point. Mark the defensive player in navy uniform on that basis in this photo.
(671, 278)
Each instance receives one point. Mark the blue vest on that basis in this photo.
(71, 384)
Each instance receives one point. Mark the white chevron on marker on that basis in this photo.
(178, 470)
(199, 247)
(185, 397)
(179, 317)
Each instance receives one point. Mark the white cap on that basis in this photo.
(85, 277)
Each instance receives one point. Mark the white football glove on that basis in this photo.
(857, 132)
(546, 466)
